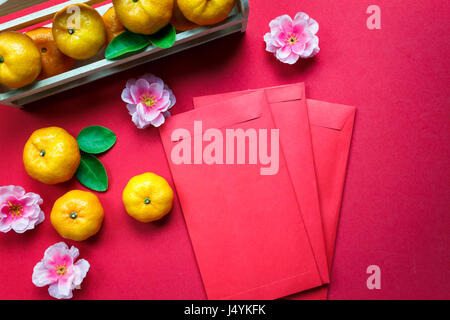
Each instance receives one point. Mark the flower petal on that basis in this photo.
(280, 39)
(306, 21)
(55, 292)
(126, 96)
(32, 213)
(298, 29)
(151, 78)
(141, 87)
(291, 59)
(31, 199)
(41, 275)
(73, 253)
(284, 52)
(130, 83)
(164, 102)
(146, 113)
(59, 249)
(270, 44)
(298, 47)
(156, 89)
(41, 218)
(300, 17)
(311, 48)
(81, 268)
(5, 225)
(173, 99)
(158, 121)
(131, 108)
(11, 191)
(65, 286)
(137, 121)
(285, 22)
(5, 220)
(20, 225)
(274, 26)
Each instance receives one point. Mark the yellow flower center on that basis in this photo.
(292, 39)
(148, 99)
(61, 269)
(15, 209)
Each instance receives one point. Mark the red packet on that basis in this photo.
(331, 132)
(246, 228)
(331, 129)
(288, 106)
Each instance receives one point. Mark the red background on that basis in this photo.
(395, 208)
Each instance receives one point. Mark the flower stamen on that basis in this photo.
(148, 99)
(292, 39)
(61, 269)
(15, 209)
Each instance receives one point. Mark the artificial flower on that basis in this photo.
(148, 100)
(19, 211)
(59, 271)
(290, 39)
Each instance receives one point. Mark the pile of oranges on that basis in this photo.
(79, 32)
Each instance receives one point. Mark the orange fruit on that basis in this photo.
(144, 16)
(147, 197)
(77, 215)
(53, 61)
(20, 60)
(179, 21)
(51, 155)
(112, 24)
(79, 31)
(206, 12)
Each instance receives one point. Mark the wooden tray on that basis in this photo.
(98, 67)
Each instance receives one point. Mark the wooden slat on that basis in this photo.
(11, 6)
(40, 16)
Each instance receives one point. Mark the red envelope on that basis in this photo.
(331, 128)
(246, 229)
(331, 131)
(288, 106)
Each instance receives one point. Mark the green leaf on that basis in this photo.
(125, 44)
(164, 38)
(96, 139)
(91, 173)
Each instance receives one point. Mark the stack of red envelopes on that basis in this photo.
(260, 176)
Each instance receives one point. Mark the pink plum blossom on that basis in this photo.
(19, 211)
(148, 100)
(290, 39)
(59, 270)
